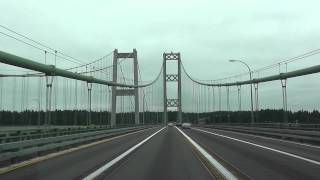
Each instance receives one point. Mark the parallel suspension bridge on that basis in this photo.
(62, 118)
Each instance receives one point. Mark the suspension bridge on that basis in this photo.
(62, 118)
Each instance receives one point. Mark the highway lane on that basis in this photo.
(79, 163)
(256, 162)
(304, 150)
(168, 155)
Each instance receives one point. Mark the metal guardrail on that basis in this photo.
(27, 133)
(289, 134)
(13, 150)
(294, 126)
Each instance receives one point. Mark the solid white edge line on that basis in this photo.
(227, 174)
(263, 147)
(117, 159)
(269, 138)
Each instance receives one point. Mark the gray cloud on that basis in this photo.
(206, 32)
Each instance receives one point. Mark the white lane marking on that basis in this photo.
(117, 159)
(263, 147)
(227, 174)
(269, 138)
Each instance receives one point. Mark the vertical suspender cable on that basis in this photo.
(22, 105)
(55, 89)
(14, 100)
(1, 98)
(219, 98)
(39, 100)
(239, 96)
(208, 99)
(75, 103)
(228, 102)
(27, 102)
(213, 99)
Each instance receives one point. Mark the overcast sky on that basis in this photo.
(206, 32)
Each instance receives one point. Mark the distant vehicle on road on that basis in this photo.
(170, 124)
(186, 125)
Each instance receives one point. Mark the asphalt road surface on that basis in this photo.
(260, 162)
(77, 164)
(169, 155)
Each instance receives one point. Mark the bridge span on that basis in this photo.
(168, 153)
(62, 118)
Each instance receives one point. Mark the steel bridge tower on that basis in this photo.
(171, 78)
(125, 92)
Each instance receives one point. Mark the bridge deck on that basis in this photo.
(168, 155)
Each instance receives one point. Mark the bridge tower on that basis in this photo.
(128, 91)
(171, 78)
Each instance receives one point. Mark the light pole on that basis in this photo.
(250, 72)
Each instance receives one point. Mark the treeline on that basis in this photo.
(79, 117)
(262, 116)
(73, 117)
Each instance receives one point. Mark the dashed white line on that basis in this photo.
(117, 159)
(263, 147)
(226, 173)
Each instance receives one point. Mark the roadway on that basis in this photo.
(260, 157)
(169, 155)
(166, 156)
(79, 163)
